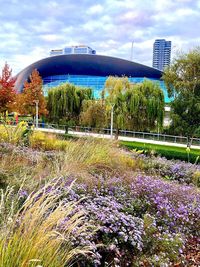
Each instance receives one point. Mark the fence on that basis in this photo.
(126, 133)
(139, 135)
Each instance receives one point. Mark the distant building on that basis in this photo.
(78, 49)
(88, 71)
(56, 52)
(161, 54)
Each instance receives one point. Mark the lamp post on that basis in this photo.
(36, 113)
(111, 122)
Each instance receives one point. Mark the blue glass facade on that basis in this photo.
(94, 82)
(88, 71)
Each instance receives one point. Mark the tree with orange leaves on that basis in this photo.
(33, 92)
(7, 90)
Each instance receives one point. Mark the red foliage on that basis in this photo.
(7, 91)
(32, 92)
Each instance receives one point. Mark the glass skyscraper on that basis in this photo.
(161, 54)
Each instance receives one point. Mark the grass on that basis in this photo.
(29, 232)
(50, 157)
(34, 238)
(169, 152)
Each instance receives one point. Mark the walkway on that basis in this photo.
(121, 138)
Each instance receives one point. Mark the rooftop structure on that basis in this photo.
(78, 49)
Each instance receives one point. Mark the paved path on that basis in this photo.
(122, 138)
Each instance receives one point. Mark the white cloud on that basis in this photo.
(29, 30)
(51, 37)
(96, 9)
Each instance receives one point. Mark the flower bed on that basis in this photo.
(148, 220)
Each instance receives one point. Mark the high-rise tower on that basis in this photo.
(161, 54)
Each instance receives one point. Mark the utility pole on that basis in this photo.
(111, 123)
(132, 50)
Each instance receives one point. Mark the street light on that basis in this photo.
(36, 111)
(111, 123)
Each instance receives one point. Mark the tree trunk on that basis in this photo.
(117, 134)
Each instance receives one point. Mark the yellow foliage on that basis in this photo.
(12, 134)
(40, 140)
(128, 161)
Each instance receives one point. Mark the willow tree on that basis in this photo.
(136, 106)
(65, 101)
(145, 106)
(114, 95)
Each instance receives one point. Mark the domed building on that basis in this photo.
(88, 71)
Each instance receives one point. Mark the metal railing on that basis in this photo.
(139, 135)
(125, 133)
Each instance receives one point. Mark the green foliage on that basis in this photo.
(65, 101)
(136, 107)
(114, 93)
(170, 152)
(163, 247)
(145, 106)
(182, 79)
(93, 114)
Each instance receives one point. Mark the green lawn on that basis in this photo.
(170, 152)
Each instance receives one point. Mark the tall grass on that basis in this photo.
(13, 135)
(83, 153)
(79, 158)
(33, 238)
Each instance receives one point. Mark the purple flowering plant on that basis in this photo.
(147, 216)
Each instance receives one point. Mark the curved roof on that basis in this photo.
(81, 64)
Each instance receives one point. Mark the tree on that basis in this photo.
(32, 92)
(93, 114)
(7, 90)
(136, 106)
(65, 101)
(182, 79)
(114, 94)
(145, 106)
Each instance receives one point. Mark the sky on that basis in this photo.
(29, 29)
